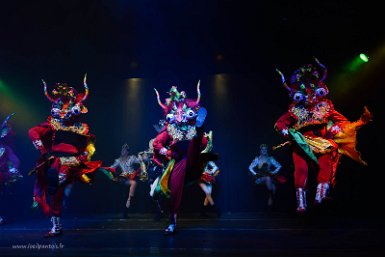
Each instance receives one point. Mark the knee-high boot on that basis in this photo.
(321, 193)
(56, 229)
(301, 200)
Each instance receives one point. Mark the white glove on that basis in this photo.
(163, 151)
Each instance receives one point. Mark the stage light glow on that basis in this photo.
(133, 114)
(364, 57)
(221, 84)
(220, 57)
(11, 101)
(357, 62)
(133, 88)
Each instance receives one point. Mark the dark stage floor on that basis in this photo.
(233, 234)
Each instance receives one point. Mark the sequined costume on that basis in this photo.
(128, 168)
(207, 180)
(209, 173)
(260, 168)
(265, 169)
(66, 146)
(125, 163)
(318, 134)
(177, 147)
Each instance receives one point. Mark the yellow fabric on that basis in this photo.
(209, 146)
(320, 145)
(91, 150)
(346, 140)
(85, 178)
(165, 178)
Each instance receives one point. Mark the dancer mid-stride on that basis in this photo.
(178, 146)
(206, 182)
(317, 133)
(128, 172)
(66, 147)
(208, 177)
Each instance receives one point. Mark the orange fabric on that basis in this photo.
(347, 137)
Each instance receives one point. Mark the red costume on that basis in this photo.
(177, 147)
(66, 146)
(318, 133)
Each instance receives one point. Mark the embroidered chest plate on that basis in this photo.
(314, 116)
(79, 128)
(178, 134)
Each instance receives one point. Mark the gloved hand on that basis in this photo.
(163, 151)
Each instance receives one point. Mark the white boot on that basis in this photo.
(56, 227)
(301, 200)
(321, 193)
(171, 227)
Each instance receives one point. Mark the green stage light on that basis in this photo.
(364, 58)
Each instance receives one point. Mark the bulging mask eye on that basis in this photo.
(321, 92)
(170, 117)
(298, 97)
(190, 114)
(55, 111)
(75, 110)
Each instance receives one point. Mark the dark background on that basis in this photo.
(130, 47)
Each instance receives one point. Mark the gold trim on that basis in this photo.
(82, 129)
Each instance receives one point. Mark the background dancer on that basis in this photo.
(207, 180)
(264, 169)
(129, 168)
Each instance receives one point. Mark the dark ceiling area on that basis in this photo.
(160, 38)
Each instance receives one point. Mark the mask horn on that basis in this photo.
(283, 80)
(199, 93)
(86, 90)
(325, 70)
(46, 92)
(164, 107)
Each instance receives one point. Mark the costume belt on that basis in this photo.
(321, 145)
(69, 161)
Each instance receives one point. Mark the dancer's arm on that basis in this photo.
(276, 165)
(253, 164)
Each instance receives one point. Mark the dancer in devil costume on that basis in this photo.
(9, 162)
(177, 147)
(317, 133)
(66, 147)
